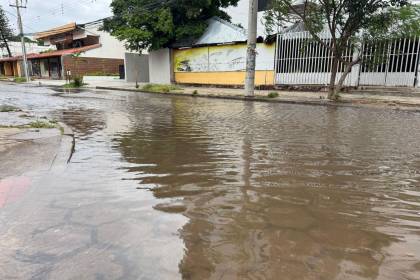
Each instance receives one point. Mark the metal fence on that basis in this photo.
(299, 60)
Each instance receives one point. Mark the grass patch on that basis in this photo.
(273, 94)
(42, 124)
(102, 74)
(19, 80)
(74, 85)
(8, 108)
(160, 88)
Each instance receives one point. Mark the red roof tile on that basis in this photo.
(52, 53)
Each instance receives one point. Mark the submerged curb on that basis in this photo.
(393, 105)
(67, 147)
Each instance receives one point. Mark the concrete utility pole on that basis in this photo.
(251, 50)
(22, 38)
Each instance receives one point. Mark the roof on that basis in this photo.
(52, 53)
(218, 31)
(57, 30)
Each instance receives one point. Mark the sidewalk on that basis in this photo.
(396, 101)
(30, 144)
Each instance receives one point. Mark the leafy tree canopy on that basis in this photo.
(154, 24)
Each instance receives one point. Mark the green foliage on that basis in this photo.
(42, 124)
(160, 88)
(273, 94)
(19, 80)
(101, 73)
(195, 92)
(77, 82)
(5, 31)
(155, 24)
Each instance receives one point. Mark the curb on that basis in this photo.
(66, 150)
(358, 103)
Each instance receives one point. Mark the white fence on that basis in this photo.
(302, 61)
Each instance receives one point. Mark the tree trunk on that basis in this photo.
(332, 94)
(343, 78)
(6, 44)
(346, 73)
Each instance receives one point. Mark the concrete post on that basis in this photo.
(251, 50)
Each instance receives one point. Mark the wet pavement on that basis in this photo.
(166, 187)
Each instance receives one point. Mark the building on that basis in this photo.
(16, 48)
(218, 57)
(77, 49)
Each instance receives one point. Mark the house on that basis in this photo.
(77, 49)
(218, 57)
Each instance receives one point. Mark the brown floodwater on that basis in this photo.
(166, 187)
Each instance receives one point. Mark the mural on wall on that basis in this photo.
(226, 58)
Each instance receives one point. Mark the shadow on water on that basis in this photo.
(84, 122)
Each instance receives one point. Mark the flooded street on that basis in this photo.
(164, 187)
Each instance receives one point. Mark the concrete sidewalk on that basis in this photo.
(29, 144)
(399, 100)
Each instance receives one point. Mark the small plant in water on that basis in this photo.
(273, 94)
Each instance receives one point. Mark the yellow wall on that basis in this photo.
(223, 78)
(222, 65)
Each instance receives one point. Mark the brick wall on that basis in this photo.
(91, 65)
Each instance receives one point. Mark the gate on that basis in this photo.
(299, 60)
(303, 61)
(390, 63)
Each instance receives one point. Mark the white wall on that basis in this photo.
(160, 66)
(111, 46)
(16, 49)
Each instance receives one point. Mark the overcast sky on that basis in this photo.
(43, 14)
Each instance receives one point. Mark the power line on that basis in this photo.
(12, 14)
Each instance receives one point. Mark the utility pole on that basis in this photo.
(18, 6)
(251, 50)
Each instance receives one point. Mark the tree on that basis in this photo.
(155, 24)
(5, 31)
(348, 22)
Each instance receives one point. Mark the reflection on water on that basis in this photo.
(177, 187)
(302, 192)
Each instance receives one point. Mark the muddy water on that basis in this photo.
(169, 188)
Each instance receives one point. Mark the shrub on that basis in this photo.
(78, 81)
(273, 94)
(195, 92)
